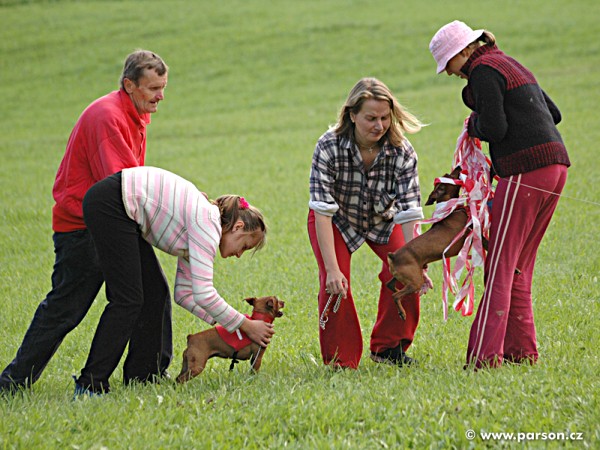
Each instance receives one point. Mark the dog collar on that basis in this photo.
(265, 317)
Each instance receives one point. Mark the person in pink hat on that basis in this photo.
(518, 119)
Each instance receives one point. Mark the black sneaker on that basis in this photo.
(10, 390)
(154, 378)
(164, 377)
(393, 357)
(83, 392)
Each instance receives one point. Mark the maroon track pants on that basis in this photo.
(341, 341)
(504, 328)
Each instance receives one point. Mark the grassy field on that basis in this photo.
(252, 85)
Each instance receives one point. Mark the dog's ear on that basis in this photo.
(250, 300)
(390, 258)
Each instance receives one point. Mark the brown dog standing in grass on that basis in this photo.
(209, 343)
(407, 263)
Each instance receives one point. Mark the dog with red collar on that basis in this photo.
(219, 342)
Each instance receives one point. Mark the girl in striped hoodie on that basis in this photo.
(169, 212)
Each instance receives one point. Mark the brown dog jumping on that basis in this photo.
(209, 343)
(407, 263)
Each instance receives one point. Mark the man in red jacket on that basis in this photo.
(109, 136)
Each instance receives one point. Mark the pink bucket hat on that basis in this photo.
(450, 40)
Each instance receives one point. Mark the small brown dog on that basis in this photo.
(407, 263)
(209, 343)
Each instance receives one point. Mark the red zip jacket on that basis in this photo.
(109, 136)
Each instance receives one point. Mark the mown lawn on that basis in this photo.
(252, 85)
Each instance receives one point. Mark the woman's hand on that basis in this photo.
(336, 283)
(258, 331)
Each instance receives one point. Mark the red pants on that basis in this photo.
(341, 341)
(504, 327)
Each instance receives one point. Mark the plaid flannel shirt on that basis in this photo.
(364, 204)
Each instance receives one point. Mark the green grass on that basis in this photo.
(252, 86)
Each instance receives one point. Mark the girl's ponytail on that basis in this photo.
(234, 208)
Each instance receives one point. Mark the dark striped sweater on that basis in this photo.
(512, 113)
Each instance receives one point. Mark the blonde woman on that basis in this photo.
(364, 188)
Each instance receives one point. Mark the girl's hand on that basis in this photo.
(258, 331)
(336, 283)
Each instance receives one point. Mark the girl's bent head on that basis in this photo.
(243, 226)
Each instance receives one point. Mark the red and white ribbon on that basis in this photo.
(476, 192)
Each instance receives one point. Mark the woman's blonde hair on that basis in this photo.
(234, 208)
(371, 88)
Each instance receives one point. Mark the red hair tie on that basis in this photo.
(243, 203)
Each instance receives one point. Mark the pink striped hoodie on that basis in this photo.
(175, 217)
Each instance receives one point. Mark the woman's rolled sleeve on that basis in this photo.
(326, 209)
(409, 215)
